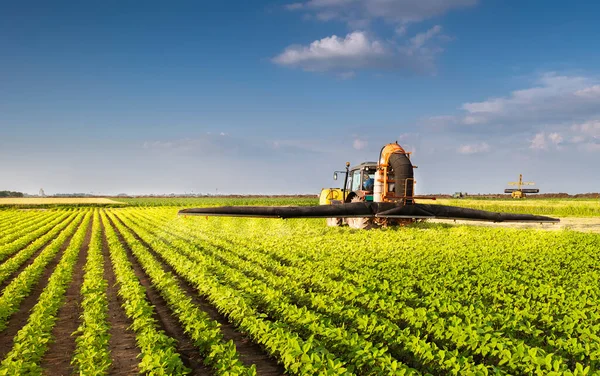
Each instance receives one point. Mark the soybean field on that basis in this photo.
(135, 288)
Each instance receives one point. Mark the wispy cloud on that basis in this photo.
(542, 141)
(359, 50)
(209, 141)
(356, 50)
(359, 144)
(586, 135)
(481, 147)
(420, 39)
(589, 128)
(556, 113)
(554, 97)
(391, 11)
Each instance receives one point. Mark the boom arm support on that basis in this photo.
(394, 161)
(366, 209)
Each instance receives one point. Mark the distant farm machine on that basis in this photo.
(521, 192)
(374, 194)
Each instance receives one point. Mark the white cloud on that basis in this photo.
(559, 112)
(346, 75)
(359, 144)
(588, 128)
(554, 98)
(591, 147)
(539, 142)
(419, 40)
(470, 119)
(589, 92)
(586, 135)
(395, 11)
(294, 6)
(400, 30)
(577, 139)
(555, 138)
(357, 50)
(353, 51)
(489, 106)
(481, 147)
(158, 144)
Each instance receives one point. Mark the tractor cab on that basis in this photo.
(361, 181)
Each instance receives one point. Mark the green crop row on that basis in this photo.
(20, 287)
(23, 227)
(92, 356)
(289, 290)
(12, 264)
(299, 356)
(362, 304)
(363, 356)
(427, 299)
(371, 284)
(32, 341)
(206, 333)
(8, 249)
(158, 353)
(218, 201)
(551, 207)
(10, 219)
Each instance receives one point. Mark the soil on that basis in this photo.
(122, 346)
(58, 357)
(589, 224)
(189, 354)
(250, 352)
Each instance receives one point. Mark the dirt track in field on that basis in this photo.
(589, 224)
(57, 361)
(122, 346)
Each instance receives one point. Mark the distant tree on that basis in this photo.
(11, 194)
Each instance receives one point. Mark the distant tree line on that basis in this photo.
(11, 194)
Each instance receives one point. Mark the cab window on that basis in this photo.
(355, 180)
(368, 180)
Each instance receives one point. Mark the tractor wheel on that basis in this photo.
(363, 223)
(334, 222)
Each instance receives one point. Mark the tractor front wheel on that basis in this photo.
(334, 222)
(363, 223)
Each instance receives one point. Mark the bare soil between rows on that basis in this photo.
(586, 224)
(57, 360)
(250, 352)
(19, 319)
(163, 315)
(122, 345)
(32, 258)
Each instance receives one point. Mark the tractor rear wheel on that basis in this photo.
(364, 223)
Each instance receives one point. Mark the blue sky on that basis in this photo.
(271, 97)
